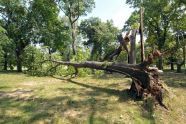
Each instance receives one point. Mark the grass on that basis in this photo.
(90, 100)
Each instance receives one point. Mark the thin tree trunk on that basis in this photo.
(73, 43)
(132, 57)
(141, 34)
(50, 53)
(171, 62)
(172, 66)
(73, 35)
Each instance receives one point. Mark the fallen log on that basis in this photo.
(145, 80)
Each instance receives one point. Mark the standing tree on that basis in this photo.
(132, 55)
(73, 9)
(141, 30)
(5, 48)
(17, 22)
(48, 28)
(100, 36)
(132, 24)
(157, 23)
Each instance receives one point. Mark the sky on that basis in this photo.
(116, 10)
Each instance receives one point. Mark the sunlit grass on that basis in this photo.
(86, 100)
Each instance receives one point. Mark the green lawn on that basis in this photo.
(88, 100)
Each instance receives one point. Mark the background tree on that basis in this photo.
(5, 48)
(158, 23)
(73, 9)
(49, 29)
(17, 22)
(101, 37)
(132, 24)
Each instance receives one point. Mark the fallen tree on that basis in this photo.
(145, 80)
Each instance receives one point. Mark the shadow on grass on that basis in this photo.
(177, 80)
(9, 72)
(147, 107)
(33, 109)
(123, 95)
(4, 87)
(109, 76)
(8, 119)
(36, 110)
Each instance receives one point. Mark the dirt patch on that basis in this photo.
(29, 83)
(71, 113)
(18, 93)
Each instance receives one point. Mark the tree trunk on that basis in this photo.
(141, 34)
(5, 68)
(19, 65)
(160, 63)
(112, 54)
(73, 34)
(18, 60)
(73, 43)
(172, 66)
(145, 79)
(50, 53)
(172, 62)
(132, 53)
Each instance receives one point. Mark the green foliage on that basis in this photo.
(18, 24)
(101, 36)
(4, 40)
(31, 57)
(82, 55)
(161, 24)
(37, 22)
(35, 65)
(132, 22)
(50, 30)
(6, 50)
(73, 9)
(76, 7)
(123, 57)
(158, 24)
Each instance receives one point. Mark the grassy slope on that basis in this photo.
(90, 100)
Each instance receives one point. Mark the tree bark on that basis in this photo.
(132, 53)
(172, 66)
(160, 63)
(73, 35)
(116, 53)
(141, 34)
(18, 60)
(145, 79)
(73, 42)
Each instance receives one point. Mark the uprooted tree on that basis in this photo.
(145, 80)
